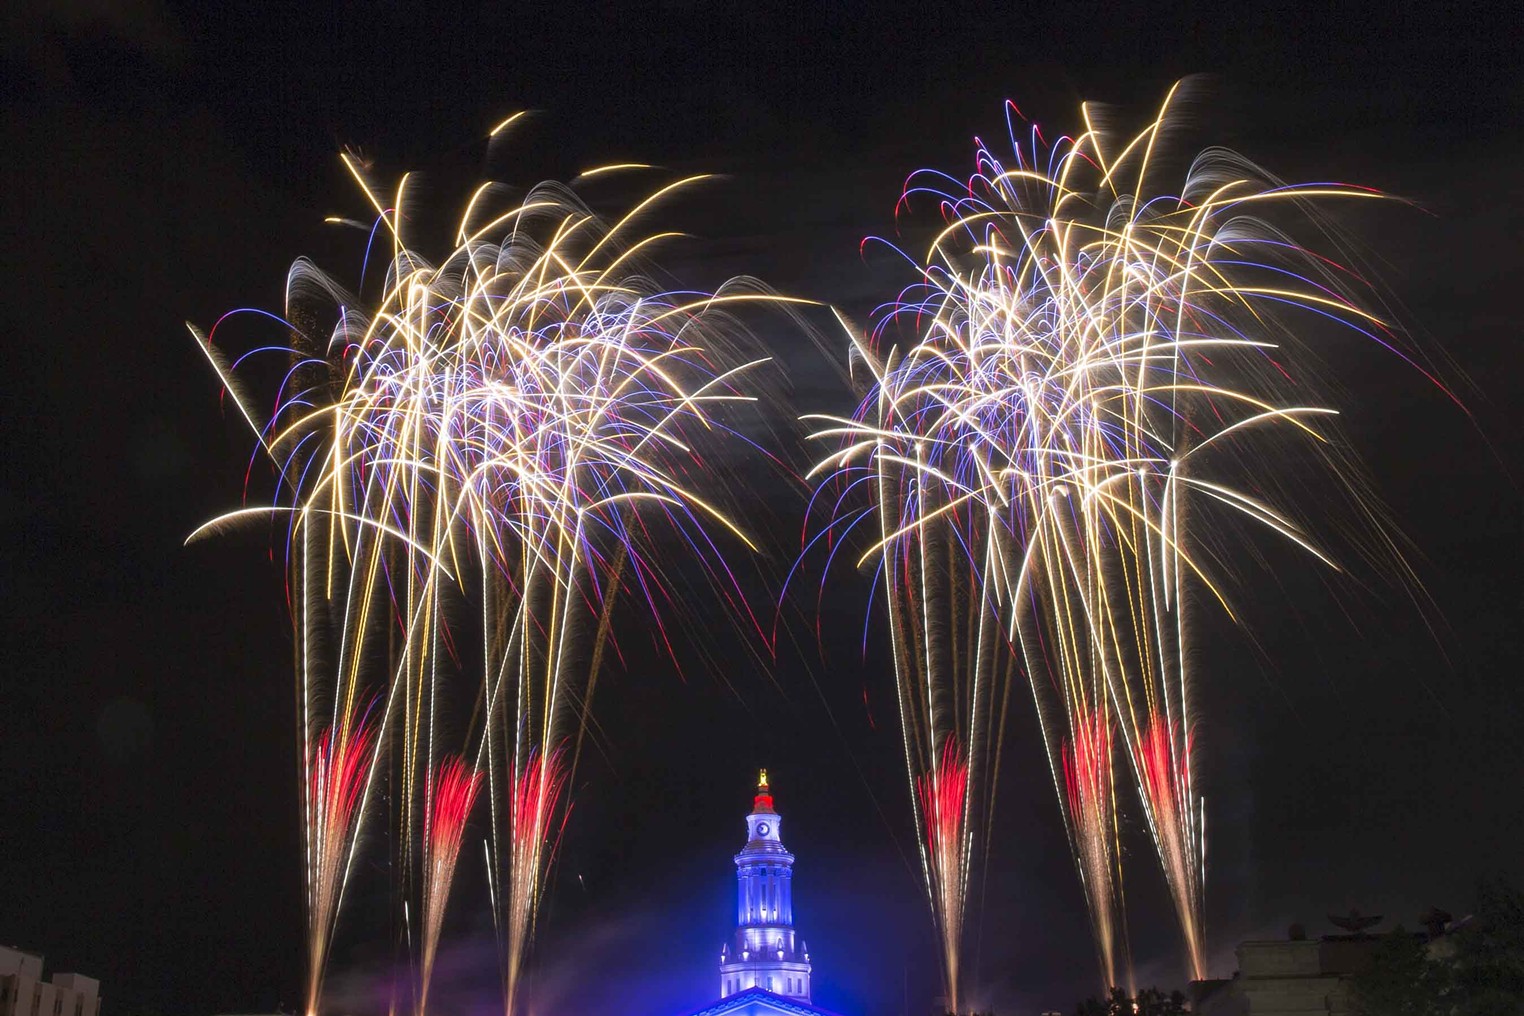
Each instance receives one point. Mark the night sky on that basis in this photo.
(166, 162)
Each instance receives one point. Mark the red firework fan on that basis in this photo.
(1162, 759)
(944, 811)
(453, 793)
(337, 776)
(536, 822)
(1086, 762)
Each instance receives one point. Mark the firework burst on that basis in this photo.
(519, 434)
(1098, 364)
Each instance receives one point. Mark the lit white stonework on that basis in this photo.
(765, 952)
(23, 992)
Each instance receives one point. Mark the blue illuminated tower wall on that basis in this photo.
(765, 952)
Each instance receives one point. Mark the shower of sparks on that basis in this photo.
(1098, 379)
(477, 467)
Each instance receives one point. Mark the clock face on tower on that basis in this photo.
(762, 828)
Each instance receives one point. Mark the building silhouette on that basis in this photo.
(23, 992)
(1301, 976)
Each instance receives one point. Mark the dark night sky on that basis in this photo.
(167, 162)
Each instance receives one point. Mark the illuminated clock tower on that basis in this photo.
(765, 953)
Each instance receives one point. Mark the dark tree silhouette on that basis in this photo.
(1488, 968)
(1149, 1002)
(1476, 970)
(1402, 979)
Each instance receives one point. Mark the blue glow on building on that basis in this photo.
(764, 968)
(760, 1002)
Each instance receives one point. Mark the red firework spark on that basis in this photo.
(944, 804)
(1087, 763)
(338, 776)
(536, 792)
(1162, 773)
(455, 791)
(943, 795)
(339, 771)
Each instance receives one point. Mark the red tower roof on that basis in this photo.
(763, 802)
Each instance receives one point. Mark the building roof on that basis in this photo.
(760, 1002)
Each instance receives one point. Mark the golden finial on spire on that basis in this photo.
(762, 780)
